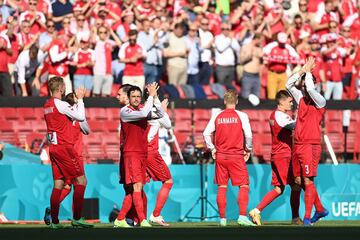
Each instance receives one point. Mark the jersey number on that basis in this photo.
(307, 169)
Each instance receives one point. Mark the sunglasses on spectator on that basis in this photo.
(103, 32)
(32, 4)
(303, 4)
(204, 23)
(225, 29)
(192, 30)
(333, 26)
(66, 22)
(146, 2)
(50, 25)
(81, 19)
(346, 30)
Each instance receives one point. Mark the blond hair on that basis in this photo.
(54, 84)
(231, 96)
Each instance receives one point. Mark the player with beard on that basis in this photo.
(64, 159)
(133, 130)
(307, 137)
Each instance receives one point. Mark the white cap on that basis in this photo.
(282, 37)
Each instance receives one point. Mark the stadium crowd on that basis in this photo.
(249, 45)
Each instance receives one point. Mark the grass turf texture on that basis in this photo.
(329, 230)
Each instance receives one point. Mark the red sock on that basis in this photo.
(295, 203)
(243, 200)
(55, 205)
(309, 199)
(78, 200)
(64, 193)
(268, 198)
(318, 205)
(126, 206)
(139, 205)
(161, 198)
(221, 201)
(144, 198)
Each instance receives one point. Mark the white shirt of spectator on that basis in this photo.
(22, 64)
(225, 48)
(206, 37)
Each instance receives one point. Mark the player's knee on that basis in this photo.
(308, 181)
(169, 183)
(81, 180)
(298, 181)
(137, 187)
(279, 189)
(244, 186)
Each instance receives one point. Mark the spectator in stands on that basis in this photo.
(276, 18)
(59, 56)
(303, 11)
(65, 30)
(5, 53)
(84, 61)
(250, 57)
(36, 19)
(332, 54)
(144, 10)
(193, 44)
(11, 26)
(353, 21)
(348, 61)
(298, 28)
(46, 37)
(149, 39)
(206, 43)
(80, 30)
(323, 18)
(333, 27)
(103, 78)
(61, 9)
(26, 39)
(25, 69)
(127, 24)
(278, 54)
(133, 55)
(5, 11)
(176, 54)
(226, 50)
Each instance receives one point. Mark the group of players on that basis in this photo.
(139, 162)
(294, 161)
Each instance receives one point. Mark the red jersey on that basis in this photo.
(24, 39)
(128, 51)
(15, 48)
(325, 18)
(333, 64)
(30, 16)
(230, 127)
(348, 7)
(134, 127)
(58, 58)
(83, 56)
(278, 57)
(308, 130)
(281, 125)
(57, 116)
(4, 56)
(313, 5)
(348, 61)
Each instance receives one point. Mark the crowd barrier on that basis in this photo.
(25, 192)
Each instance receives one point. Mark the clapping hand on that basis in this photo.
(152, 89)
(80, 92)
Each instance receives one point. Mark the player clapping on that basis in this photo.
(307, 137)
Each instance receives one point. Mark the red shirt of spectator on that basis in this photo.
(347, 43)
(128, 51)
(44, 7)
(214, 23)
(274, 13)
(58, 58)
(145, 9)
(348, 7)
(84, 56)
(333, 61)
(4, 56)
(279, 54)
(313, 5)
(354, 23)
(15, 48)
(324, 17)
(34, 17)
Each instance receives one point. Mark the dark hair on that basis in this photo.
(34, 49)
(70, 98)
(282, 94)
(179, 25)
(133, 89)
(297, 16)
(133, 32)
(125, 87)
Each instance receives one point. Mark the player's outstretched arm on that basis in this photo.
(290, 86)
(85, 127)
